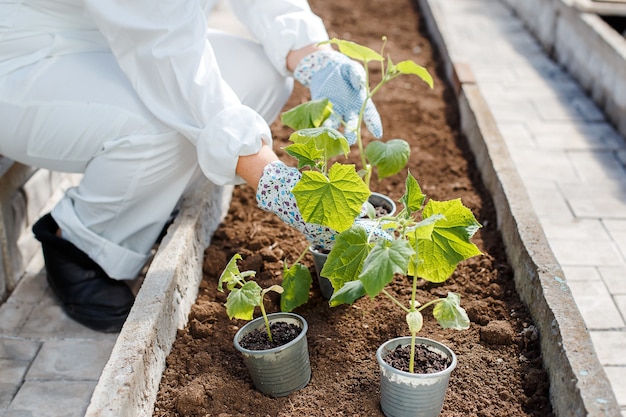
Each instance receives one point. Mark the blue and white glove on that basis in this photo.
(332, 75)
(274, 195)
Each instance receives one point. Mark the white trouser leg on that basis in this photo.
(78, 113)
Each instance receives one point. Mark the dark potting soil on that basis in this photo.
(499, 369)
(427, 361)
(282, 333)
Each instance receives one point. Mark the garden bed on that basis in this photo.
(500, 370)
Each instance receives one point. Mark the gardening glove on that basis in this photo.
(332, 75)
(274, 195)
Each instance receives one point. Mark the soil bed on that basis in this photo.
(499, 371)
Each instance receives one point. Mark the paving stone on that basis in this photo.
(617, 230)
(610, 347)
(560, 228)
(517, 136)
(31, 288)
(566, 135)
(597, 166)
(597, 200)
(576, 108)
(596, 306)
(11, 376)
(495, 75)
(618, 382)
(528, 87)
(13, 316)
(586, 252)
(51, 399)
(507, 111)
(614, 278)
(620, 300)
(48, 321)
(71, 359)
(549, 165)
(18, 349)
(588, 274)
(547, 199)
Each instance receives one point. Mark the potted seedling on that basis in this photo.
(331, 193)
(274, 346)
(423, 241)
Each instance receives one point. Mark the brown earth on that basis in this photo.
(499, 372)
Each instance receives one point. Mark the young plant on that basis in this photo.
(331, 193)
(423, 241)
(334, 195)
(244, 295)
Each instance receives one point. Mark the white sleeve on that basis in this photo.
(280, 26)
(162, 48)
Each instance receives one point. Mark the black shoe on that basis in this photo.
(86, 292)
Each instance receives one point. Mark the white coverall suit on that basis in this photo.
(137, 94)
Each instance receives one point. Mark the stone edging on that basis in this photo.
(130, 380)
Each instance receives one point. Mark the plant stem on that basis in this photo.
(413, 299)
(398, 303)
(431, 302)
(412, 357)
(267, 322)
(302, 255)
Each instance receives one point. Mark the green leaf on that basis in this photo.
(296, 283)
(330, 141)
(356, 51)
(306, 154)
(348, 294)
(334, 201)
(231, 275)
(307, 115)
(415, 320)
(410, 67)
(423, 229)
(413, 197)
(241, 302)
(345, 260)
(384, 261)
(450, 242)
(276, 288)
(388, 157)
(450, 314)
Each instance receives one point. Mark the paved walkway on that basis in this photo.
(571, 160)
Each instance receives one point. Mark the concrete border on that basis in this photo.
(130, 380)
(579, 385)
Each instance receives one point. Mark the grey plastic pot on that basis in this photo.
(319, 257)
(405, 394)
(282, 370)
(381, 200)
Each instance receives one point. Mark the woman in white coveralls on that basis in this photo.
(138, 95)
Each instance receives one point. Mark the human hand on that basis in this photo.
(332, 75)
(274, 195)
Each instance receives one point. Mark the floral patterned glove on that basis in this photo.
(274, 195)
(332, 75)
